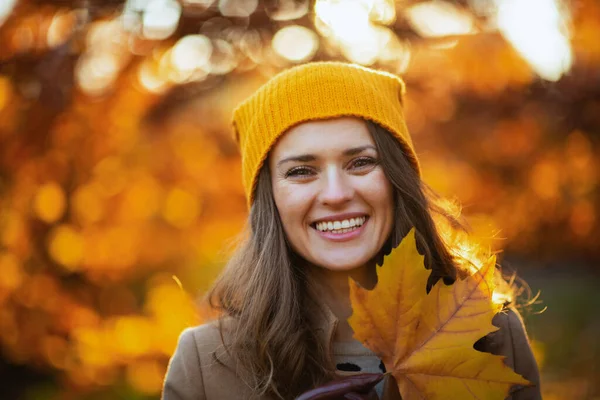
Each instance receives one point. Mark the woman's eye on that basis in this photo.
(298, 172)
(363, 162)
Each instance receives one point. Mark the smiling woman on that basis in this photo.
(333, 185)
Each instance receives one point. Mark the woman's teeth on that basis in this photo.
(343, 226)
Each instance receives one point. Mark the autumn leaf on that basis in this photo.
(426, 340)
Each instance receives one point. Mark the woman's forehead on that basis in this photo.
(323, 136)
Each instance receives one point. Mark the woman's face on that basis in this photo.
(334, 200)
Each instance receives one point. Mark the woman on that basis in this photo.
(333, 184)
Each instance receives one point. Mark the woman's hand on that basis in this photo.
(355, 387)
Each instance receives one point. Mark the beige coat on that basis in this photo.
(194, 374)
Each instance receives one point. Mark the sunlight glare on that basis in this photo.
(348, 22)
(435, 19)
(6, 7)
(539, 32)
(501, 298)
(394, 53)
(349, 25)
(382, 11)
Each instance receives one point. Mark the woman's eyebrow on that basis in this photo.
(309, 157)
(355, 150)
(299, 158)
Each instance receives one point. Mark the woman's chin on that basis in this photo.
(340, 264)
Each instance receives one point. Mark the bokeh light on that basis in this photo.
(192, 52)
(12, 275)
(151, 79)
(286, 10)
(66, 247)
(61, 27)
(97, 74)
(204, 4)
(240, 9)
(49, 203)
(160, 19)
(543, 40)
(296, 43)
(223, 57)
(6, 7)
(181, 208)
(349, 26)
(436, 18)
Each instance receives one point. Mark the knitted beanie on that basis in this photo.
(317, 90)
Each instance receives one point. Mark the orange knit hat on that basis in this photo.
(317, 90)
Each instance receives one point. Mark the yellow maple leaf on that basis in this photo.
(426, 340)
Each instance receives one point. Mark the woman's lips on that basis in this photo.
(343, 237)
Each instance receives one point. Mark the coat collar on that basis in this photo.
(327, 323)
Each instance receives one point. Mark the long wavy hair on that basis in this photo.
(265, 291)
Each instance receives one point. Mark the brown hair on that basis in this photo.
(267, 294)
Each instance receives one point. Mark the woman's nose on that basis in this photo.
(336, 189)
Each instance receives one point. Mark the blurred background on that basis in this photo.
(120, 184)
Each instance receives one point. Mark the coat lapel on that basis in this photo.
(326, 323)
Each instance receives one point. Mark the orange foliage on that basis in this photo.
(89, 223)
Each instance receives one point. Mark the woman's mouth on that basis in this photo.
(342, 226)
(341, 230)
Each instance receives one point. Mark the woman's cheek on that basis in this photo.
(300, 196)
(293, 202)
